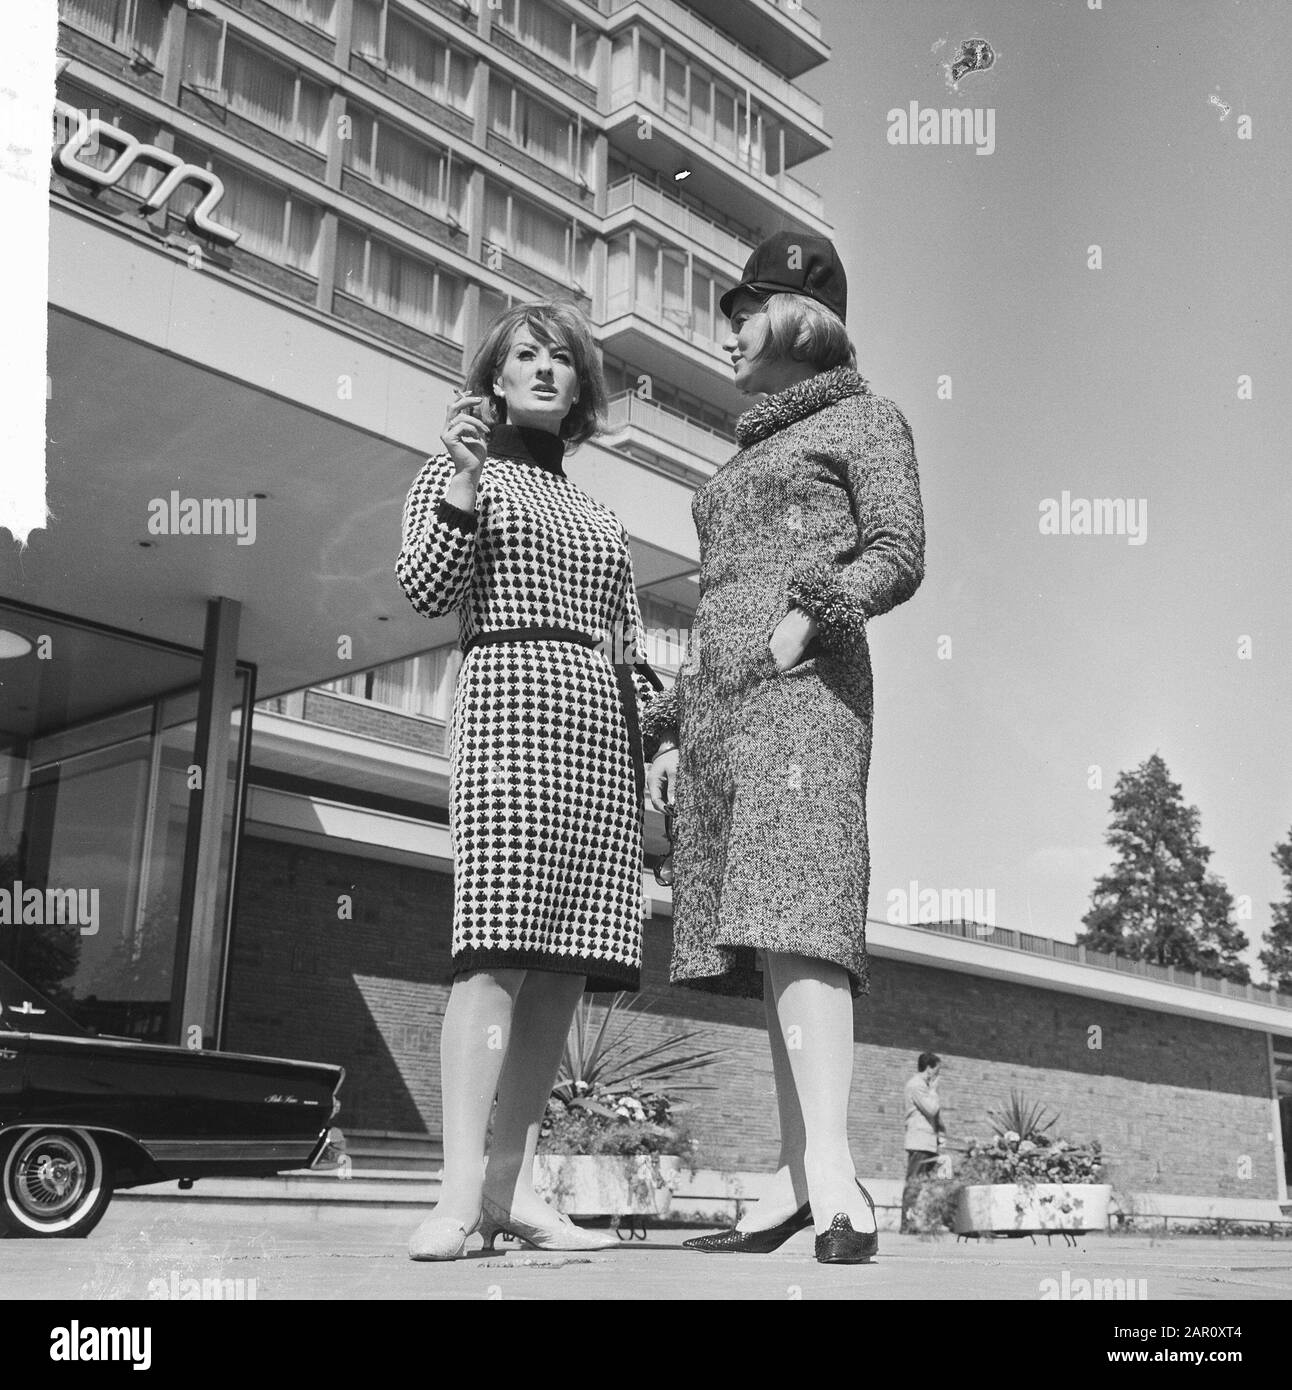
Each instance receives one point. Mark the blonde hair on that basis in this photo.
(804, 330)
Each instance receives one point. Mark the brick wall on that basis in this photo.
(1177, 1102)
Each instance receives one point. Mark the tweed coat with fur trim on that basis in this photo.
(820, 509)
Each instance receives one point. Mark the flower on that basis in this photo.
(1010, 1136)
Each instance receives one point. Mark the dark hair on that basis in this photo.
(550, 321)
(927, 1060)
(804, 330)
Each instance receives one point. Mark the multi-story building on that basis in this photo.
(278, 229)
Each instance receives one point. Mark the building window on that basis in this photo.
(420, 686)
(275, 224)
(542, 131)
(534, 235)
(661, 283)
(403, 286)
(133, 26)
(319, 14)
(689, 94)
(551, 34)
(412, 54)
(253, 84)
(407, 166)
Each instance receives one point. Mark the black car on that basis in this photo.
(83, 1114)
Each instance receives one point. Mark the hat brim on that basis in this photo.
(765, 289)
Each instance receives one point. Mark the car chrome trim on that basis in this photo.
(163, 1150)
(99, 1040)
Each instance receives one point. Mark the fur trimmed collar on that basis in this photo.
(803, 398)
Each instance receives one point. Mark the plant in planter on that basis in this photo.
(1024, 1180)
(615, 1138)
(1021, 1180)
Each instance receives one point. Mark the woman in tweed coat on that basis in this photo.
(763, 743)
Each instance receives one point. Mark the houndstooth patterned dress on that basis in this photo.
(544, 809)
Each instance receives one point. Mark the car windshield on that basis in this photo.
(24, 1009)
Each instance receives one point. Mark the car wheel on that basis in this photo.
(53, 1182)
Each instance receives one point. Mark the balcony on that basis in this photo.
(662, 342)
(634, 192)
(733, 178)
(632, 420)
(782, 32)
(744, 64)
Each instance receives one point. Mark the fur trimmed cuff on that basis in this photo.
(460, 520)
(659, 722)
(816, 589)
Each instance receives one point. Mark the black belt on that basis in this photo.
(623, 676)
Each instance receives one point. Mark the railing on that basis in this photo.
(1082, 955)
(750, 68)
(679, 322)
(636, 192)
(630, 410)
(808, 199)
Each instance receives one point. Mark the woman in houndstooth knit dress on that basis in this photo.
(814, 527)
(545, 806)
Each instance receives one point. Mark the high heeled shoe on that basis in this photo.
(562, 1234)
(752, 1242)
(839, 1244)
(440, 1238)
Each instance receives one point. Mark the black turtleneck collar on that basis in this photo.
(539, 447)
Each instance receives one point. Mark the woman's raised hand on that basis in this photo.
(465, 435)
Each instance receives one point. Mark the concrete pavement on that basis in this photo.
(165, 1249)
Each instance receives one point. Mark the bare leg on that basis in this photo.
(787, 1191)
(473, 1042)
(539, 1026)
(814, 1008)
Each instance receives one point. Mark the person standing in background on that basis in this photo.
(923, 1128)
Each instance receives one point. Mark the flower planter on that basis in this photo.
(1032, 1208)
(608, 1184)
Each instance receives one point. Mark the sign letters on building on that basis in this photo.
(88, 130)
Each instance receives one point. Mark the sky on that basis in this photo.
(1074, 657)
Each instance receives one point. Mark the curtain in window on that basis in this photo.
(451, 301)
(150, 28)
(458, 192)
(105, 19)
(356, 152)
(724, 105)
(406, 167)
(500, 94)
(496, 229)
(402, 287)
(320, 13)
(675, 104)
(543, 133)
(257, 87)
(648, 72)
(540, 27)
(702, 319)
(349, 261)
(303, 238)
(621, 69)
(365, 37)
(414, 56)
(201, 51)
(254, 208)
(618, 285)
(539, 237)
(312, 115)
(396, 686)
(646, 288)
(701, 93)
(457, 91)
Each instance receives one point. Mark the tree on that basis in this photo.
(1158, 902)
(1277, 955)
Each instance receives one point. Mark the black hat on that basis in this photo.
(795, 263)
